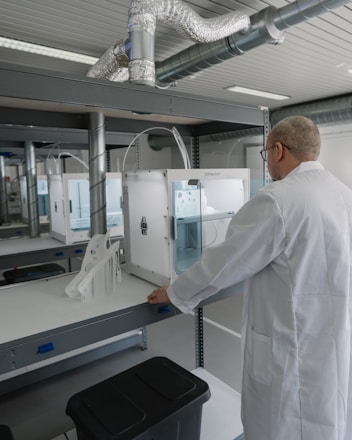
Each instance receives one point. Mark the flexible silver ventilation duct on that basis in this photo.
(266, 27)
(143, 16)
(113, 65)
(327, 111)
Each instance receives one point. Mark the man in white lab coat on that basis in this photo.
(292, 245)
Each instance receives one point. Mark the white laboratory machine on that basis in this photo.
(69, 201)
(43, 198)
(172, 215)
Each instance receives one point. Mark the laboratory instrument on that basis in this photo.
(70, 206)
(170, 216)
(43, 198)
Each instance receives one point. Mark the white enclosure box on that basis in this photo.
(172, 215)
(43, 199)
(69, 200)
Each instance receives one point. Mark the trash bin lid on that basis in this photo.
(137, 399)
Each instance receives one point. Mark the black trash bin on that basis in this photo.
(155, 400)
(5, 433)
(30, 273)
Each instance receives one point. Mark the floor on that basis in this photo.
(37, 412)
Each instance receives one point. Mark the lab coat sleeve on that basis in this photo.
(255, 236)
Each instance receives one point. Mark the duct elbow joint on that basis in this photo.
(142, 72)
(265, 25)
(142, 66)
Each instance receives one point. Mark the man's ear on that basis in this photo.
(279, 149)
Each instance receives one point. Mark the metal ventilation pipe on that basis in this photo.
(97, 173)
(32, 190)
(334, 110)
(159, 142)
(143, 16)
(4, 207)
(266, 27)
(247, 132)
(328, 111)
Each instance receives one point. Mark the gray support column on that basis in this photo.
(97, 173)
(32, 190)
(267, 128)
(4, 207)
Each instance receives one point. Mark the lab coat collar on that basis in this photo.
(306, 166)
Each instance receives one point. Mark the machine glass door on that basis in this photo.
(113, 202)
(79, 203)
(187, 228)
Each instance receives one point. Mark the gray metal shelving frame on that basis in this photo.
(45, 107)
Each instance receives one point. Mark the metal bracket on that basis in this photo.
(199, 327)
(195, 152)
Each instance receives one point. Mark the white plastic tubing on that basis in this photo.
(133, 58)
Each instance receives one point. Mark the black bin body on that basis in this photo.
(33, 273)
(5, 433)
(155, 400)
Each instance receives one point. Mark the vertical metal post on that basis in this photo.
(32, 190)
(198, 315)
(108, 161)
(199, 328)
(267, 178)
(144, 338)
(97, 173)
(4, 207)
(195, 152)
(138, 154)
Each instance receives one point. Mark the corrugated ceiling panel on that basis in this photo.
(304, 66)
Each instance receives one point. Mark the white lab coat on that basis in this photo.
(292, 245)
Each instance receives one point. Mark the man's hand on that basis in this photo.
(159, 296)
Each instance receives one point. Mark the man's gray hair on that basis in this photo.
(300, 135)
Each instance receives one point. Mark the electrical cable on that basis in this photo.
(178, 139)
(74, 157)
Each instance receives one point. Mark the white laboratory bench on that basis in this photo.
(20, 229)
(42, 330)
(24, 251)
(41, 325)
(39, 306)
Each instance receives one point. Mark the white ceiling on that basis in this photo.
(311, 63)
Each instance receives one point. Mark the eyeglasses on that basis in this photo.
(263, 152)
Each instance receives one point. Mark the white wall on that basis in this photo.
(235, 153)
(336, 154)
(223, 154)
(336, 151)
(148, 159)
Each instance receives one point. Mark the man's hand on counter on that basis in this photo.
(159, 296)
